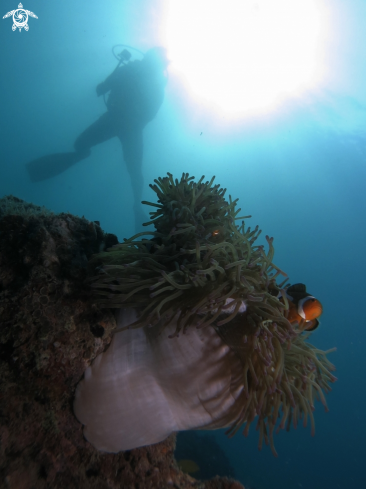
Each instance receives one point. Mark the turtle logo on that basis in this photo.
(20, 18)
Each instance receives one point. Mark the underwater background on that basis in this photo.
(298, 169)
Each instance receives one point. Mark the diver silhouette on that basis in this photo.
(136, 92)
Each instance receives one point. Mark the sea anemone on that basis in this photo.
(203, 341)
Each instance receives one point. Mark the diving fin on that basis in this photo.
(51, 165)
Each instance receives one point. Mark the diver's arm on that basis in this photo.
(101, 89)
(107, 85)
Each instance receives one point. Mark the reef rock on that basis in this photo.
(50, 332)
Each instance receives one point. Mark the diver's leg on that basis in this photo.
(98, 132)
(132, 144)
(53, 164)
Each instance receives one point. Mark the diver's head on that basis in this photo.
(157, 58)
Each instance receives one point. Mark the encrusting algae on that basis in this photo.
(199, 270)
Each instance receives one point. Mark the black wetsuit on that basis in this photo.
(136, 94)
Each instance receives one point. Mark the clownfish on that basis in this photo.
(216, 235)
(303, 307)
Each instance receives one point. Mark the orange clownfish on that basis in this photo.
(217, 235)
(303, 307)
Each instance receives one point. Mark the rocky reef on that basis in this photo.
(199, 454)
(50, 332)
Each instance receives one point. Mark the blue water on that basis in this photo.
(299, 171)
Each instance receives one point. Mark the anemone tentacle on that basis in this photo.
(197, 260)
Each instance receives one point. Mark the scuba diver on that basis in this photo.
(136, 92)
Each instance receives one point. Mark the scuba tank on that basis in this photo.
(123, 58)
